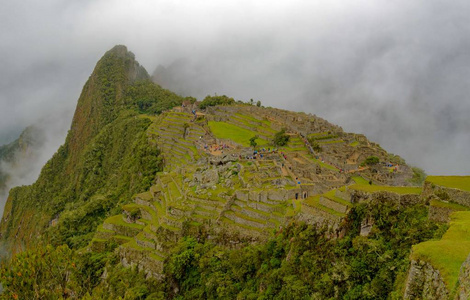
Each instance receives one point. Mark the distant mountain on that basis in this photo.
(22, 149)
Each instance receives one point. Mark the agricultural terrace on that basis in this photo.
(448, 254)
(456, 182)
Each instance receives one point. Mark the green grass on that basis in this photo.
(331, 195)
(360, 180)
(121, 239)
(314, 201)
(145, 196)
(322, 164)
(117, 220)
(456, 182)
(448, 254)
(454, 206)
(354, 144)
(394, 189)
(246, 217)
(224, 130)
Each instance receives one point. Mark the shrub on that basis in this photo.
(371, 160)
(253, 141)
(281, 138)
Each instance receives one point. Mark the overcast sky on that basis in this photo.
(397, 71)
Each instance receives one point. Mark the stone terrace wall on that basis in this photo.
(463, 292)
(446, 193)
(424, 282)
(403, 200)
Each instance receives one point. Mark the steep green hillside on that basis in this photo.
(106, 158)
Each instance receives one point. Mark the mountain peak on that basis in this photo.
(119, 50)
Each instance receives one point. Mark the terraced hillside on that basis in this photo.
(214, 182)
(208, 202)
(438, 266)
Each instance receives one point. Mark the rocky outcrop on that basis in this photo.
(463, 292)
(440, 214)
(315, 216)
(424, 282)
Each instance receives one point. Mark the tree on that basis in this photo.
(216, 100)
(253, 141)
(258, 103)
(281, 138)
(371, 160)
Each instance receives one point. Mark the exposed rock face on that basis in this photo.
(424, 282)
(440, 214)
(463, 291)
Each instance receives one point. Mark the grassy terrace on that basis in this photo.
(331, 195)
(448, 254)
(118, 220)
(314, 201)
(456, 182)
(224, 130)
(360, 180)
(378, 188)
(322, 164)
(354, 144)
(144, 196)
(454, 206)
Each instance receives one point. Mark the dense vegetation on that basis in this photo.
(216, 100)
(370, 161)
(150, 98)
(281, 138)
(299, 262)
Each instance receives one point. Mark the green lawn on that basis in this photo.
(325, 165)
(224, 130)
(118, 220)
(354, 144)
(332, 196)
(317, 134)
(448, 254)
(456, 182)
(314, 201)
(454, 206)
(395, 189)
(360, 180)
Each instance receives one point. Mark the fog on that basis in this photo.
(397, 71)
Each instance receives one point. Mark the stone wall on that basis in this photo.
(463, 292)
(424, 282)
(446, 193)
(402, 200)
(440, 214)
(314, 216)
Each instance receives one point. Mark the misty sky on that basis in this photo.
(397, 71)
